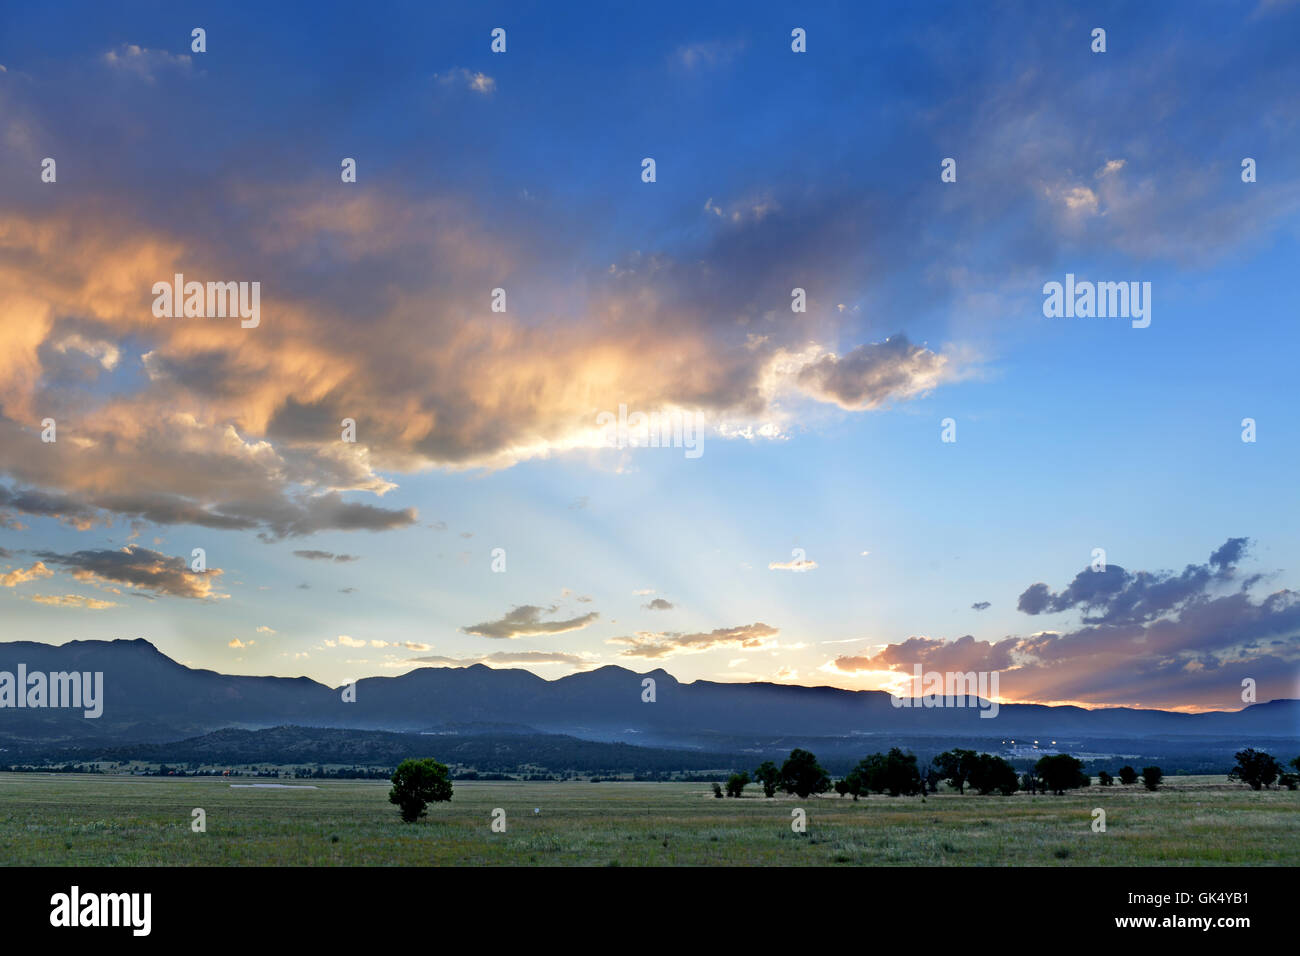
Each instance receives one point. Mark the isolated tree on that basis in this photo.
(717, 790)
(990, 772)
(802, 775)
(956, 766)
(1151, 777)
(842, 787)
(1104, 778)
(1256, 768)
(1061, 772)
(736, 784)
(769, 775)
(1128, 776)
(416, 784)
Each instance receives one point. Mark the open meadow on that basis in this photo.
(105, 820)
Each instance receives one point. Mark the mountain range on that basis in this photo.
(148, 697)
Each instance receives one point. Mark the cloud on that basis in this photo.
(312, 555)
(871, 375)
(50, 505)
(506, 658)
(794, 564)
(707, 54)
(1150, 639)
(146, 63)
(105, 353)
(237, 643)
(658, 604)
(238, 429)
(345, 641)
(981, 606)
(263, 629)
(248, 437)
(139, 568)
(747, 210)
(1112, 595)
(1078, 200)
(525, 620)
(468, 79)
(73, 600)
(651, 645)
(203, 423)
(20, 576)
(965, 653)
(288, 517)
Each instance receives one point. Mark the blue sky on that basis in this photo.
(774, 170)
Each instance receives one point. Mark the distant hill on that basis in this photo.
(481, 748)
(151, 698)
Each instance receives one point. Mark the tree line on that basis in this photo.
(899, 774)
(417, 783)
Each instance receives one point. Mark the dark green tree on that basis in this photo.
(990, 772)
(894, 772)
(802, 775)
(901, 777)
(1061, 772)
(416, 784)
(1256, 768)
(1291, 780)
(1128, 776)
(1104, 778)
(717, 790)
(769, 775)
(930, 780)
(955, 766)
(736, 784)
(869, 775)
(855, 783)
(1151, 777)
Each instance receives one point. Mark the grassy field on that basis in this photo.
(122, 820)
